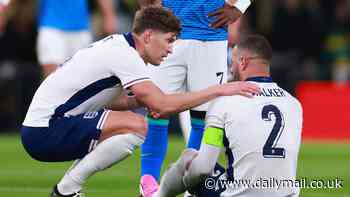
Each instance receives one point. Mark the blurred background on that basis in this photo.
(310, 38)
(311, 42)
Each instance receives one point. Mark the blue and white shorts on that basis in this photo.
(66, 138)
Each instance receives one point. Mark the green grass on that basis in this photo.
(22, 176)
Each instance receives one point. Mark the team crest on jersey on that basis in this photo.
(90, 115)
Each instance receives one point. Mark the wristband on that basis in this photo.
(241, 5)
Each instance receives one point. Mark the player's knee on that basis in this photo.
(129, 143)
(189, 154)
(134, 141)
(125, 122)
(187, 157)
(193, 167)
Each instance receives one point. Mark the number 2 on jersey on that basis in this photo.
(270, 150)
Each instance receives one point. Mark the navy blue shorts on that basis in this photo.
(66, 138)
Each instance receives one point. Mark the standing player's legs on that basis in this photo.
(54, 46)
(207, 67)
(170, 76)
(185, 124)
(51, 49)
(210, 60)
(78, 40)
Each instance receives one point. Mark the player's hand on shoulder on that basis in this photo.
(242, 88)
(225, 16)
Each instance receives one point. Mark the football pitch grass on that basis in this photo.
(21, 176)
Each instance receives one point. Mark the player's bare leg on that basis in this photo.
(121, 134)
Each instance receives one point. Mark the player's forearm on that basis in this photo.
(202, 166)
(171, 183)
(167, 104)
(177, 179)
(151, 96)
(174, 103)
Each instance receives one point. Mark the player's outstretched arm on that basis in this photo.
(203, 165)
(152, 97)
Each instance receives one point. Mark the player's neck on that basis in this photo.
(253, 74)
(256, 70)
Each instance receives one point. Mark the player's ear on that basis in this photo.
(244, 62)
(147, 36)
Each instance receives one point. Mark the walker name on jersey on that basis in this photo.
(271, 92)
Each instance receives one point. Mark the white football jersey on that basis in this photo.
(88, 81)
(263, 137)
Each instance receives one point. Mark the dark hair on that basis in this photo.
(157, 18)
(258, 45)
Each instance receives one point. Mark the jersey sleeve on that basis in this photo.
(131, 69)
(216, 114)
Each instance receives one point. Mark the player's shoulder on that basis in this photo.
(292, 101)
(292, 98)
(220, 101)
(115, 48)
(229, 102)
(125, 45)
(115, 42)
(296, 103)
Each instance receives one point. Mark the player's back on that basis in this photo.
(263, 135)
(88, 81)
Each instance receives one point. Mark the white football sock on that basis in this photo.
(107, 153)
(69, 187)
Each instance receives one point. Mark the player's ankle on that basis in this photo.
(68, 186)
